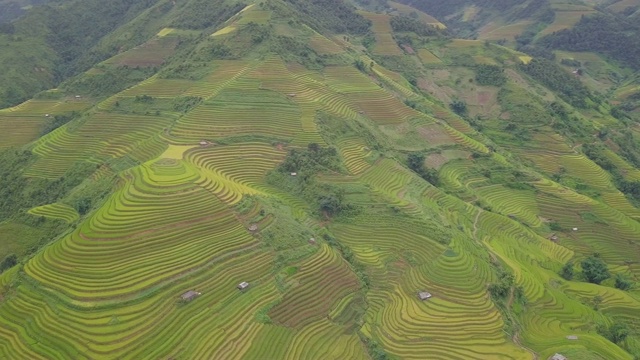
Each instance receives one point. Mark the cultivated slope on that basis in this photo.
(199, 161)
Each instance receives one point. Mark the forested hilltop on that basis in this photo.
(320, 179)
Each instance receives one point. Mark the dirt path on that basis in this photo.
(516, 340)
(510, 300)
(475, 225)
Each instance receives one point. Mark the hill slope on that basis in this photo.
(338, 160)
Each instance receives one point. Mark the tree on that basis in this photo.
(567, 271)
(415, 162)
(8, 262)
(623, 283)
(596, 301)
(459, 107)
(595, 269)
(616, 333)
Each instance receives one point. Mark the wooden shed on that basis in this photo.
(423, 295)
(190, 295)
(243, 285)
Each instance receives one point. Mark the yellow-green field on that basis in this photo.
(193, 206)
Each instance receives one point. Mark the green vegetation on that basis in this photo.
(341, 160)
(554, 77)
(595, 269)
(490, 75)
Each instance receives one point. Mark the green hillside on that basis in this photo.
(341, 158)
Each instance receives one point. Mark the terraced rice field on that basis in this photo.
(102, 136)
(151, 53)
(177, 220)
(385, 44)
(428, 57)
(408, 10)
(56, 211)
(23, 130)
(565, 19)
(499, 32)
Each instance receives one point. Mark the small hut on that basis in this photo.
(423, 295)
(575, 229)
(78, 96)
(312, 241)
(292, 95)
(558, 356)
(553, 237)
(253, 227)
(203, 143)
(294, 174)
(572, 337)
(190, 295)
(243, 285)
(46, 115)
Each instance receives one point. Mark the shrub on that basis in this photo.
(8, 262)
(623, 283)
(595, 269)
(567, 271)
(490, 75)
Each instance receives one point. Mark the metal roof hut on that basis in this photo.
(253, 227)
(423, 295)
(558, 357)
(243, 285)
(572, 337)
(190, 295)
(203, 143)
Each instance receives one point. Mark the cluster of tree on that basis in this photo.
(17, 194)
(185, 103)
(329, 200)
(296, 50)
(409, 24)
(202, 14)
(556, 78)
(490, 75)
(8, 262)
(459, 107)
(502, 287)
(595, 271)
(58, 120)
(415, 161)
(616, 332)
(335, 15)
(609, 34)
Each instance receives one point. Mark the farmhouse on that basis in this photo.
(572, 337)
(558, 357)
(423, 295)
(243, 285)
(190, 295)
